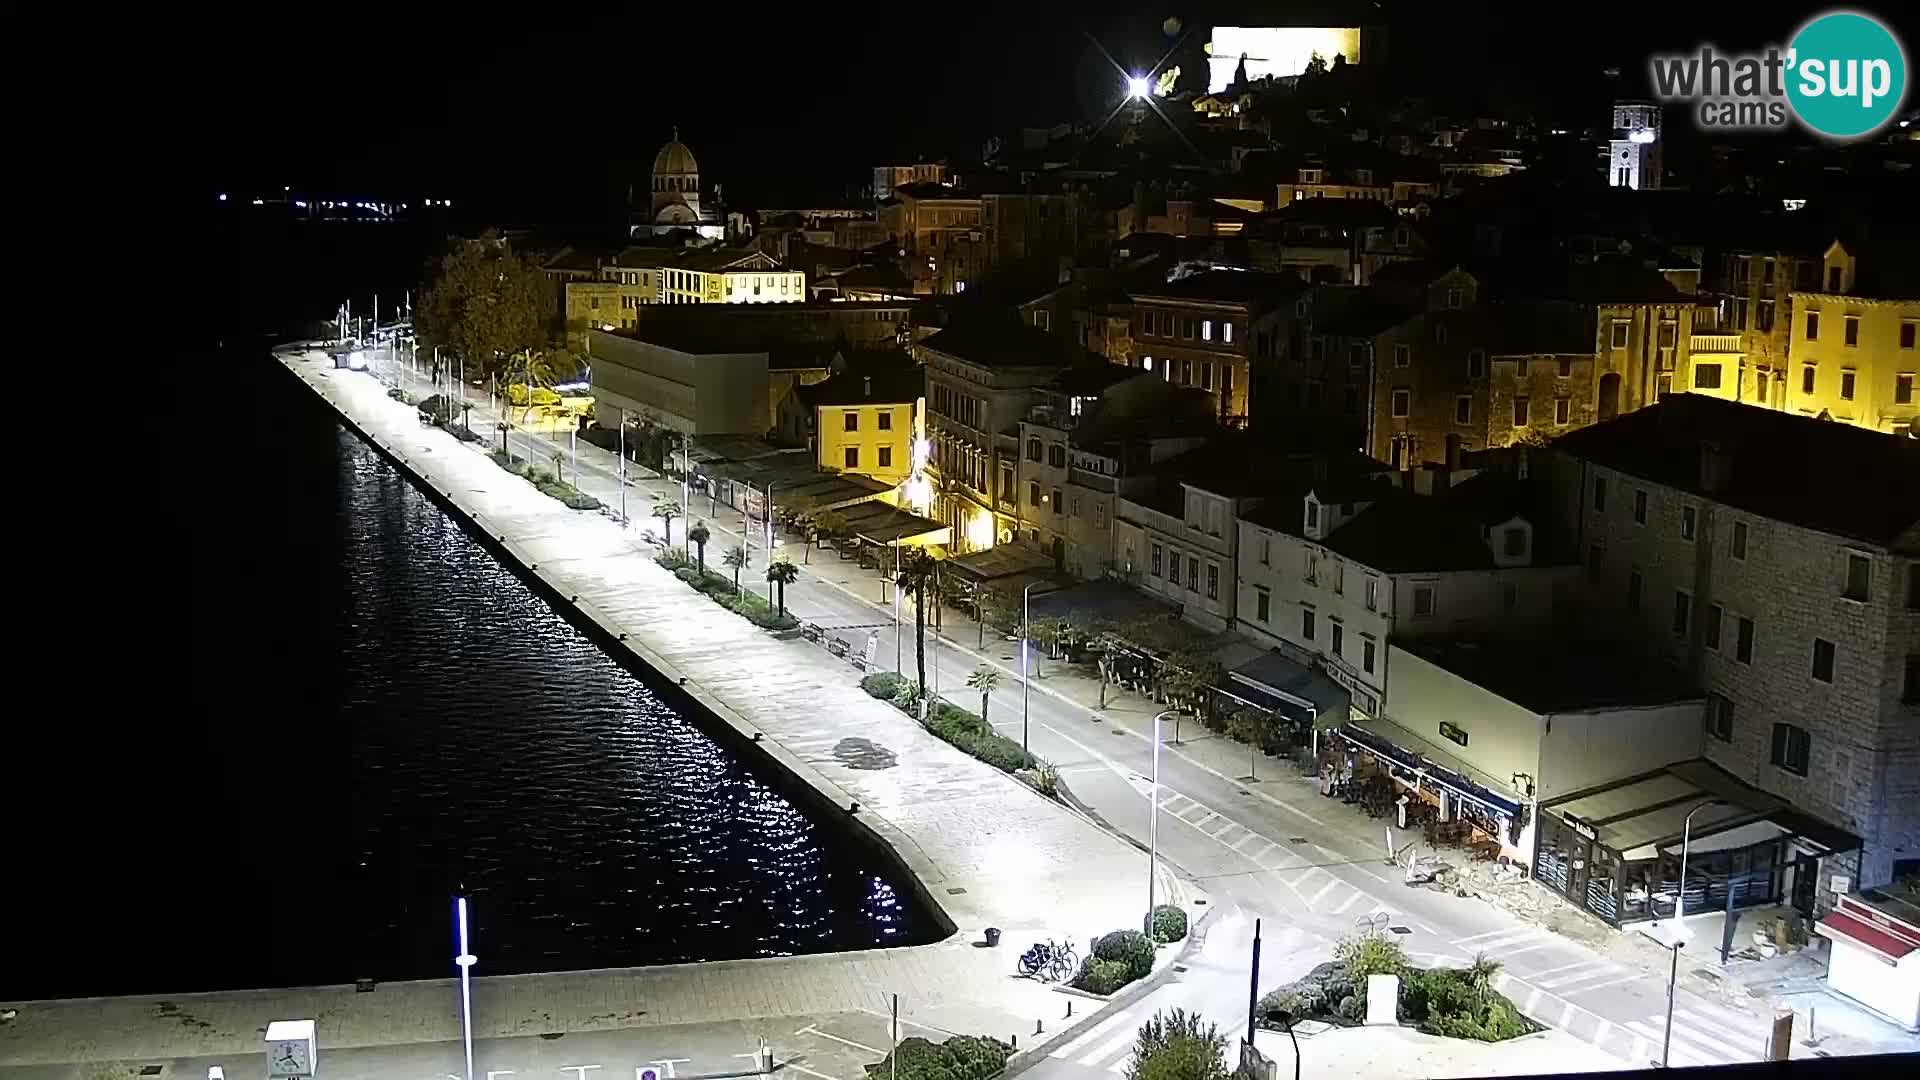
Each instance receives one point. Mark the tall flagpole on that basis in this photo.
(466, 960)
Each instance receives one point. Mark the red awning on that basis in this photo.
(1864, 934)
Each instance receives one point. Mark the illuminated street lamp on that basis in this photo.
(1025, 679)
(1153, 825)
(1138, 87)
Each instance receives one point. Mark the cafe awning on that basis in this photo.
(995, 564)
(1290, 688)
(1641, 816)
(1406, 752)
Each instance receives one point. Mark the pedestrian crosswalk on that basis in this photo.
(1317, 888)
(1702, 1035)
(1107, 1045)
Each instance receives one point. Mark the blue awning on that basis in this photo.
(1434, 772)
(1295, 689)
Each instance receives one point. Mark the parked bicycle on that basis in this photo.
(1049, 962)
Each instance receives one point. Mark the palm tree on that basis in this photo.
(666, 508)
(534, 369)
(1483, 970)
(986, 680)
(735, 557)
(809, 527)
(698, 537)
(916, 569)
(782, 573)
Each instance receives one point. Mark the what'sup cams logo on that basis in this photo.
(1843, 75)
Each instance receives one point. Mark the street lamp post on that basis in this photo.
(621, 472)
(1025, 680)
(1679, 927)
(465, 960)
(768, 524)
(1153, 827)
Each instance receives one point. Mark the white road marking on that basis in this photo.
(802, 1068)
(1089, 1035)
(1495, 937)
(1347, 903)
(811, 1030)
(1603, 984)
(1109, 1048)
(1537, 976)
(1324, 890)
(903, 1020)
(1506, 952)
(1682, 1053)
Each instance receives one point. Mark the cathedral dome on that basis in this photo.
(674, 159)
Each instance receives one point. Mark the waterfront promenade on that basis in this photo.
(988, 850)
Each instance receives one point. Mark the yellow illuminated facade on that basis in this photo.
(1854, 359)
(691, 285)
(872, 439)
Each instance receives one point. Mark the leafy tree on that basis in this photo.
(986, 680)
(736, 557)
(533, 370)
(698, 537)
(830, 524)
(1178, 1045)
(484, 303)
(917, 569)
(782, 573)
(666, 508)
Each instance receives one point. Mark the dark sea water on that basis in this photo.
(335, 710)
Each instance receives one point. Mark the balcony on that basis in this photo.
(1714, 343)
(1091, 480)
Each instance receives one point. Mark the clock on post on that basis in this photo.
(290, 1049)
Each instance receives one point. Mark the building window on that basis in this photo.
(1213, 581)
(1903, 389)
(1043, 318)
(1689, 522)
(1366, 656)
(1706, 376)
(1910, 689)
(1737, 543)
(886, 457)
(1633, 589)
(1058, 502)
(1806, 379)
(1682, 612)
(1476, 363)
(1640, 507)
(1186, 328)
(1262, 604)
(1907, 329)
(1206, 329)
(1057, 454)
(853, 457)
(1562, 411)
(1373, 592)
(1339, 639)
(1714, 616)
(1846, 386)
(1453, 298)
(1463, 409)
(1719, 717)
(1619, 328)
(1193, 572)
(1306, 623)
(1851, 336)
(1566, 367)
(1859, 577)
(1226, 332)
(1033, 493)
(1402, 401)
(1743, 640)
(1033, 449)
(1423, 599)
(1600, 493)
(1521, 406)
(1813, 326)
(1403, 356)
(1791, 748)
(1159, 554)
(1514, 541)
(886, 420)
(1823, 660)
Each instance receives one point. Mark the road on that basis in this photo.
(1270, 848)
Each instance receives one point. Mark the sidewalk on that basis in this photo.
(986, 849)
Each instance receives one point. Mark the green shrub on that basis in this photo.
(1178, 1045)
(1370, 954)
(1284, 1000)
(672, 559)
(907, 697)
(882, 684)
(961, 1057)
(951, 722)
(998, 751)
(686, 574)
(1102, 976)
(1128, 946)
(504, 460)
(1353, 1007)
(1169, 923)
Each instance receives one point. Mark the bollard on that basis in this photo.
(1036, 1027)
(1016, 1041)
(1780, 1046)
(1069, 1008)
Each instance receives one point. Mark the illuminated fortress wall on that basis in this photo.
(1276, 50)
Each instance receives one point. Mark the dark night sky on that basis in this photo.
(538, 118)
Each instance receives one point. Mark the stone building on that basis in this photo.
(1853, 350)
(1199, 331)
(676, 202)
(1777, 560)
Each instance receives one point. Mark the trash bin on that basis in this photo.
(993, 936)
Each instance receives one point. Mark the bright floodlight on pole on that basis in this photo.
(1138, 86)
